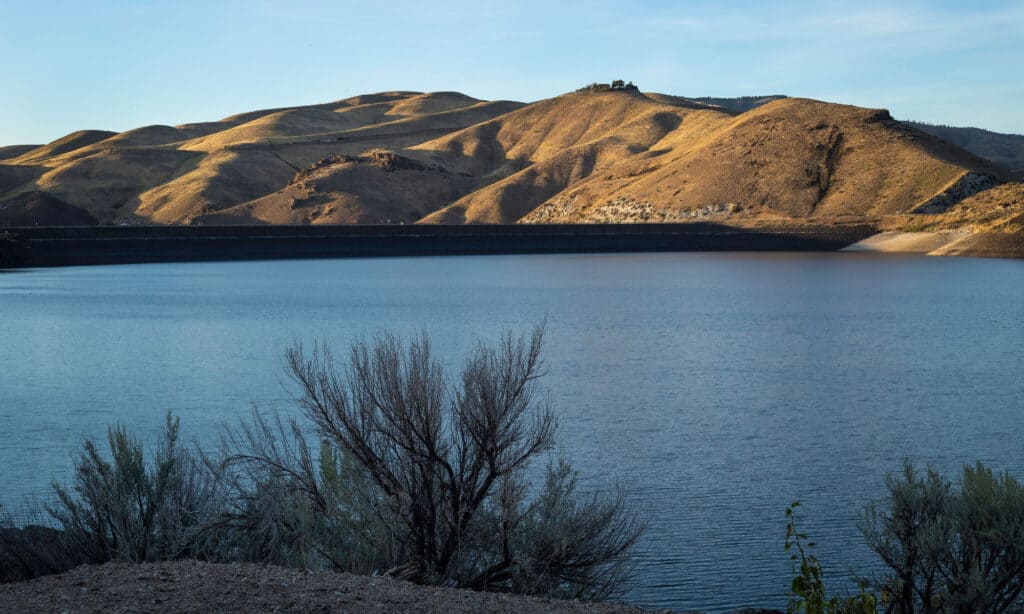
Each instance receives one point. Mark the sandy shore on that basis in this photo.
(959, 242)
(898, 242)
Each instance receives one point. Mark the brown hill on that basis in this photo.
(1006, 150)
(377, 188)
(529, 156)
(589, 156)
(62, 145)
(165, 174)
(791, 158)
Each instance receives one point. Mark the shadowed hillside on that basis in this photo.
(739, 105)
(598, 155)
(1004, 149)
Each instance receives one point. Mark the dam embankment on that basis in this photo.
(65, 246)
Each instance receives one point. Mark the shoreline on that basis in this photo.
(92, 245)
(947, 242)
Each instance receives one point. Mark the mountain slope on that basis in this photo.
(612, 155)
(791, 158)
(533, 154)
(172, 175)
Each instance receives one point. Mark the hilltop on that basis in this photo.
(601, 154)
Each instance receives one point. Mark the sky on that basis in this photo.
(117, 65)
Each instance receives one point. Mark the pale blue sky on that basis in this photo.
(119, 65)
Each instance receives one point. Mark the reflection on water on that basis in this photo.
(719, 387)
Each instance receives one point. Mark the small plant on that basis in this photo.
(807, 589)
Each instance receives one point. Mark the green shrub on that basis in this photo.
(950, 548)
(126, 509)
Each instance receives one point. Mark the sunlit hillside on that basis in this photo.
(599, 155)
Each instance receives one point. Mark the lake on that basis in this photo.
(717, 387)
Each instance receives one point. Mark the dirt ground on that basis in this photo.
(207, 587)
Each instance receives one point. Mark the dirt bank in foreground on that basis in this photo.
(194, 587)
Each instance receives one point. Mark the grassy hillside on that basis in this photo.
(587, 156)
(791, 158)
(178, 174)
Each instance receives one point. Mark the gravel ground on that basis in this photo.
(208, 587)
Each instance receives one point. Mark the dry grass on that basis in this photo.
(581, 157)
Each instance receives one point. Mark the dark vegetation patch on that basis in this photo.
(38, 208)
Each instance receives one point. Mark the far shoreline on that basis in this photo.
(93, 245)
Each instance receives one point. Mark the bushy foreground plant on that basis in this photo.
(423, 475)
(417, 474)
(126, 509)
(123, 509)
(950, 548)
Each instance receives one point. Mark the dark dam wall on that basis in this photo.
(64, 246)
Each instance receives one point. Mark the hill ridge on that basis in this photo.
(600, 154)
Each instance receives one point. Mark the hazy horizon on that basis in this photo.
(112, 66)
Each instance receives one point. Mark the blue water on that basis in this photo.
(717, 387)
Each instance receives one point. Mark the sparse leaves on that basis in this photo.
(807, 588)
(422, 474)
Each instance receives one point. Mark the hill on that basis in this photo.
(1007, 150)
(175, 174)
(592, 156)
(792, 158)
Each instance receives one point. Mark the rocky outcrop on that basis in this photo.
(385, 160)
(967, 185)
(626, 210)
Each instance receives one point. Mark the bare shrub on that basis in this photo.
(422, 476)
(571, 545)
(392, 467)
